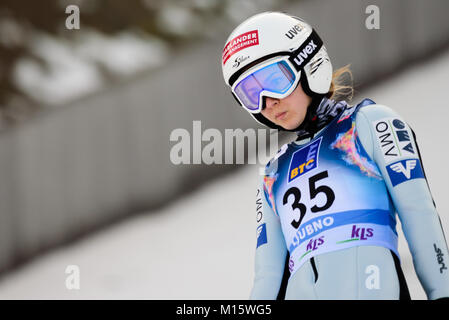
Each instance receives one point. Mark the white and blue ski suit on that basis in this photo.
(327, 207)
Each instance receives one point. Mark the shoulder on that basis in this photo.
(384, 133)
(377, 124)
(365, 110)
(375, 111)
(378, 117)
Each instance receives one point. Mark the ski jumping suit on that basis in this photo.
(326, 213)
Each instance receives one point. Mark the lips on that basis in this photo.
(280, 115)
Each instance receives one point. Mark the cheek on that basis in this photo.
(268, 115)
(299, 100)
(299, 97)
(297, 107)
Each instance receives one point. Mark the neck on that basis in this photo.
(320, 113)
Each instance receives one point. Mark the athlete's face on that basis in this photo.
(289, 112)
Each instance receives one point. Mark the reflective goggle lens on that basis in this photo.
(277, 78)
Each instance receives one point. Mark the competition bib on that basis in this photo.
(329, 195)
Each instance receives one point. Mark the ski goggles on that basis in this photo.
(276, 78)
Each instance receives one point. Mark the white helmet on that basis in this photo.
(268, 36)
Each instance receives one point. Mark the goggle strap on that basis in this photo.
(302, 56)
(236, 99)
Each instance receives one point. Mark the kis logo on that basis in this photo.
(315, 243)
(291, 265)
(361, 233)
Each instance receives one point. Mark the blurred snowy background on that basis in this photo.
(85, 121)
(44, 64)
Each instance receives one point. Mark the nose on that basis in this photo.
(271, 102)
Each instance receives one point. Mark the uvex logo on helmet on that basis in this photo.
(305, 53)
(297, 28)
(245, 40)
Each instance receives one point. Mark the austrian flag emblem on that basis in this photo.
(245, 40)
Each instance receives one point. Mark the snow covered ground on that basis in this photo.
(202, 246)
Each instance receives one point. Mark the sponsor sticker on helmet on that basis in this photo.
(295, 30)
(239, 60)
(245, 40)
(304, 54)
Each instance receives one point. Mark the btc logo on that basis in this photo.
(304, 160)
